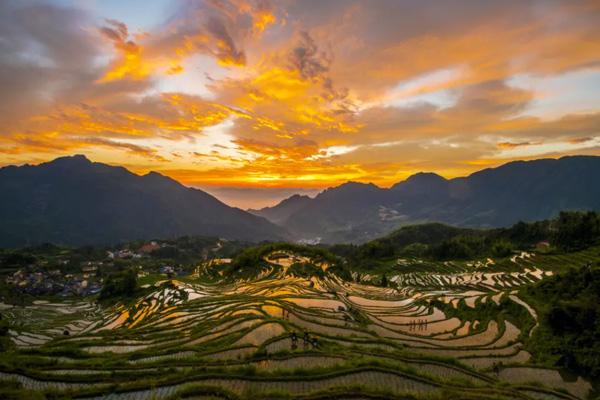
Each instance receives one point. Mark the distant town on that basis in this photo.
(50, 270)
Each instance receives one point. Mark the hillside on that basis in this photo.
(282, 211)
(73, 201)
(570, 231)
(286, 316)
(494, 197)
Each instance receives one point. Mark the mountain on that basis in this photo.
(341, 213)
(493, 197)
(280, 212)
(74, 201)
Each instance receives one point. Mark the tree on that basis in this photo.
(570, 319)
(502, 248)
(120, 284)
(5, 342)
(576, 230)
(384, 281)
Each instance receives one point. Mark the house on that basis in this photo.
(125, 253)
(149, 247)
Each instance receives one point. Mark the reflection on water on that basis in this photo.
(547, 377)
(316, 303)
(117, 322)
(232, 320)
(261, 334)
(379, 303)
(273, 311)
(407, 316)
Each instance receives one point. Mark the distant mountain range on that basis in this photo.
(494, 197)
(281, 212)
(74, 201)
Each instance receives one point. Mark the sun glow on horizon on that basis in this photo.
(264, 94)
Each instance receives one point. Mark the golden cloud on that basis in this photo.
(318, 95)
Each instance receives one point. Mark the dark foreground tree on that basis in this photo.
(121, 284)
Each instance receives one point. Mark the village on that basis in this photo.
(68, 274)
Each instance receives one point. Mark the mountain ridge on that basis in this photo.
(492, 197)
(282, 210)
(74, 201)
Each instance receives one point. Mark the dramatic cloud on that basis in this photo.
(254, 93)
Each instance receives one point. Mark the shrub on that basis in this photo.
(120, 284)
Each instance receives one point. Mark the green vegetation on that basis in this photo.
(249, 260)
(15, 391)
(574, 230)
(389, 319)
(568, 232)
(569, 332)
(306, 270)
(120, 284)
(188, 249)
(5, 342)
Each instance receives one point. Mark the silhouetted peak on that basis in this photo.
(294, 199)
(352, 186)
(425, 177)
(75, 201)
(354, 191)
(424, 180)
(74, 160)
(356, 184)
(157, 177)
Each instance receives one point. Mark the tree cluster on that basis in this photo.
(120, 284)
(570, 318)
(569, 231)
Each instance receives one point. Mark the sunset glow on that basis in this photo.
(299, 94)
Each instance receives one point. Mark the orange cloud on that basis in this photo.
(509, 145)
(215, 28)
(129, 62)
(577, 140)
(319, 95)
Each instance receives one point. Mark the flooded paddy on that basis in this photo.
(550, 378)
(285, 333)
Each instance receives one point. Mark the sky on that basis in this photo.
(253, 100)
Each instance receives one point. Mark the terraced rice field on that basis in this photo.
(236, 339)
